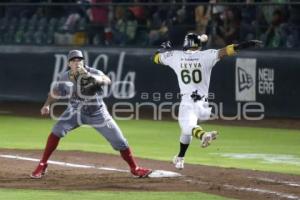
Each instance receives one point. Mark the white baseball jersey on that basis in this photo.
(193, 68)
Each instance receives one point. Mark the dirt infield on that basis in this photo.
(234, 183)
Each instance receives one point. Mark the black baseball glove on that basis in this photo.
(89, 85)
(248, 44)
(165, 46)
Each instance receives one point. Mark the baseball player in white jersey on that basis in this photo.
(193, 69)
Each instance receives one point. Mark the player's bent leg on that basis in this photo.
(114, 136)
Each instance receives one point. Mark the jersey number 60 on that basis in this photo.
(188, 76)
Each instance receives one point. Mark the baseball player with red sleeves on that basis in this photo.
(193, 69)
(83, 87)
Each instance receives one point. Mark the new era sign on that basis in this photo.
(245, 79)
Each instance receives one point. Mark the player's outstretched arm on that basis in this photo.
(232, 49)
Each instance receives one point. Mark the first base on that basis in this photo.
(163, 174)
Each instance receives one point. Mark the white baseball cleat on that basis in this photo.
(178, 162)
(208, 137)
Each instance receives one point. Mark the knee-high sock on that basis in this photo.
(128, 157)
(51, 145)
(198, 132)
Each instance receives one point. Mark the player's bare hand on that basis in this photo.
(45, 110)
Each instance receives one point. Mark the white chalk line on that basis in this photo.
(289, 183)
(286, 159)
(248, 189)
(65, 164)
(154, 174)
(263, 191)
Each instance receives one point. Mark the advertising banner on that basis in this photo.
(263, 81)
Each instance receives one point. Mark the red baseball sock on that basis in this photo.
(51, 145)
(127, 156)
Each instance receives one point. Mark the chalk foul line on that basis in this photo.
(154, 174)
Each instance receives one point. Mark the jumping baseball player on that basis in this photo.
(83, 87)
(193, 69)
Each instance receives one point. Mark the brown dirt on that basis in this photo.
(227, 182)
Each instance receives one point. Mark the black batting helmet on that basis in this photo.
(191, 40)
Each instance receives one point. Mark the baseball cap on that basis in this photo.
(75, 54)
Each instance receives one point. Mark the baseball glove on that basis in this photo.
(248, 44)
(87, 83)
(166, 45)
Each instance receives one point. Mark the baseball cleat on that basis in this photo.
(141, 172)
(208, 137)
(178, 162)
(40, 171)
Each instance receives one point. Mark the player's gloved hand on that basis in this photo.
(166, 45)
(248, 44)
(89, 85)
(233, 48)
